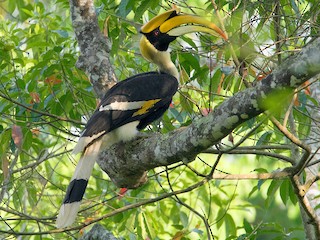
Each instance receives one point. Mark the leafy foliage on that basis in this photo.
(44, 99)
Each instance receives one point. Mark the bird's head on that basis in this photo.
(160, 31)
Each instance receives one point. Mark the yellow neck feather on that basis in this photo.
(161, 58)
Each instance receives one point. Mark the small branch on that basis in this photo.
(205, 221)
(44, 156)
(41, 113)
(265, 147)
(245, 137)
(24, 216)
(300, 192)
(233, 53)
(289, 111)
(254, 152)
(277, 29)
(145, 202)
(214, 167)
(251, 176)
(311, 181)
(303, 162)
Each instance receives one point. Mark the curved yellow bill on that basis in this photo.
(157, 21)
(173, 26)
(178, 31)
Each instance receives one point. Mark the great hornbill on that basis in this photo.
(133, 103)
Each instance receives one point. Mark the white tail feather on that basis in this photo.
(86, 163)
(68, 211)
(84, 141)
(67, 214)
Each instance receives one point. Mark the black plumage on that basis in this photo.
(141, 87)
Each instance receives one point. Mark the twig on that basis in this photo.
(300, 192)
(289, 111)
(251, 176)
(115, 212)
(311, 181)
(245, 137)
(214, 167)
(252, 151)
(304, 159)
(40, 112)
(233, 53)
(276, 19)
(43, 157)
(206, 223)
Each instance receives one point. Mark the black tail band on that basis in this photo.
(75, 190)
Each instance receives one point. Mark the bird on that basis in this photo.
(132, 104)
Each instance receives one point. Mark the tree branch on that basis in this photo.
(255, 176)
(127, 164)
(308, 212)
(302, 163)
(94, 47)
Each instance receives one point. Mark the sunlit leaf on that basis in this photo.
(284, 191)
(273, 188)
(265, 138)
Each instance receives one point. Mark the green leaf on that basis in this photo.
(27, 139)
(247, 226)
(118, 218)
(236, 19)
(125, 7)
(189, 61)
(273, 187)
(32, 193)
(231, 228)
(31, 85)
(292, 195)
(265, 138)
(214, 83)
(260, 170)
(185, 101)
(27, 12)
(253, 190)
(304, 123)
(220, 217)
(11, 6)
(313, 100)
(5, 140)
(284, 191)
(144, 5)
(148, 228)
(184, 219)
(276, 100)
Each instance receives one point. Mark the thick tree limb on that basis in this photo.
(94, 47)
(127, 164)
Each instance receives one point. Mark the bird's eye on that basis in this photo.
(156, 32)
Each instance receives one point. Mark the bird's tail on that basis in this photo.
(77, 186)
